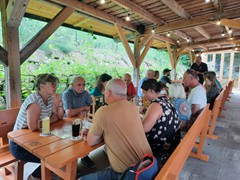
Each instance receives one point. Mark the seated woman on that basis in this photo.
(211, 88)
(178, 99)
(161, 122)
(99, 86)
(42, 103)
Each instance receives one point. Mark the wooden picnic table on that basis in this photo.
(58, 155)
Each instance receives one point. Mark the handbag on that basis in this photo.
(145, 169)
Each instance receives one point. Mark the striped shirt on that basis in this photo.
(46, 110)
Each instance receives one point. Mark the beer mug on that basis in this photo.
(45, 126)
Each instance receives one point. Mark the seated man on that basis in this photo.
(120, 126)
(197, 97)
(131, 91)
(76, 99)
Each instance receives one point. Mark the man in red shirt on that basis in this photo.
(131, 91)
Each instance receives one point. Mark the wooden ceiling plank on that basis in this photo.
(141, 58)
(125, 44)
(3, 56)
(133, 7)
(203, 32)
(80, 22)
(176, 8)
(82, 7)
(200, 20)
(15, 12)
(183, 35)
(45, 33)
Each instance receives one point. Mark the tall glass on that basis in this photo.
(76, 127)
(45, 126)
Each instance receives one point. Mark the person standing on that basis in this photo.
(165, 78)
(200, 68)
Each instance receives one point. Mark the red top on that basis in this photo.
(131, 90)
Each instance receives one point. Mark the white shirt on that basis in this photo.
(198, 96)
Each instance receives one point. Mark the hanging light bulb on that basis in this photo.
(231, 38)
(178, 41)
(219, 22)
(207, 1)
(102, 1)
(188, 40)
(230, 31)
(153, 30)
(168, 34)
(127, 18)
(236, 48)
(223, 34)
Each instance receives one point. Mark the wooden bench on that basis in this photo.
(175, 163)
(7, 121)
(214, 115)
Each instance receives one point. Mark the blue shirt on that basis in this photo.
(140, 94)
(73, 100)
(165, 80)
(218, 84)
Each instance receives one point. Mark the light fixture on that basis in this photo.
(153, 30)
(102, 1)
(231, 38)
(127, 18)
(168, 34)
(236, 48)
(219, 22)
(223, 34)
(230, 31)
(207, 1)
(178, 41)
(192, 50)
(188, 40)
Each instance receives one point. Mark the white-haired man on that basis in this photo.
(149, 75)
(120, 126)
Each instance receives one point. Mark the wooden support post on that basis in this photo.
(136, 70)
(12, 70)
(170, 53)
(191, 57)
(221, 67)
(213, 61)
(231, 66)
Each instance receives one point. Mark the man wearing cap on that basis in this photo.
(165, 78)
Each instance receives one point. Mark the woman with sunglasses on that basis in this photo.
(38, 105)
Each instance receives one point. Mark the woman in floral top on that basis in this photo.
(161, 122)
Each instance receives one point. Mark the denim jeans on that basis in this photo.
(22, 154)
(106, 174)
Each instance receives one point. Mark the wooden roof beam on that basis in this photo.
(125, 44)
(190, 23)
(230, 23)
(147, 47)
(165, 39)
(131, 6)
(82, 7)
(3, 56)
(45, 33)
(222, 49)
(176, 8)
(15, 12)
(145, 40)
(212, 41)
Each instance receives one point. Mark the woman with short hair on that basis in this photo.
(45, 102)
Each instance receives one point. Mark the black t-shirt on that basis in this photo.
(201, 68)
(165, 80)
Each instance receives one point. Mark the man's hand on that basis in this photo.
(84, 134)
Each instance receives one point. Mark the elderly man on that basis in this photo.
(149, 75)
(119, 125)
(197, 97)
(200, 68)
(131, 91)
(76, 99)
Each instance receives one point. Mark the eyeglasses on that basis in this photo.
(54, 85)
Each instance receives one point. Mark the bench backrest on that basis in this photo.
(7, 121)
(175, 163)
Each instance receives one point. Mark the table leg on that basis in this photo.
(71, 171)
(45, 172)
